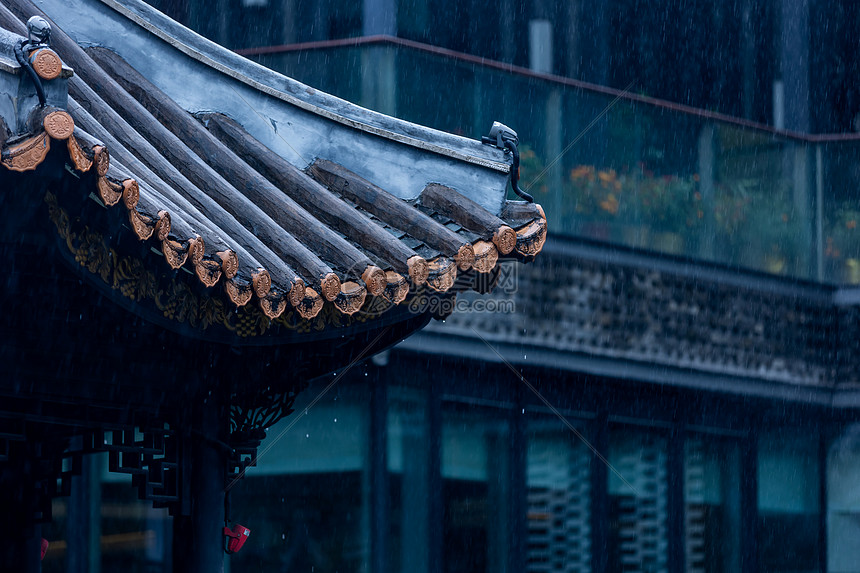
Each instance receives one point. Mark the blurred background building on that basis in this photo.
(694, 318)
(788, 63)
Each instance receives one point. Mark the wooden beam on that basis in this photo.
(530, 222)
(264, 266)
(443, 273)
(393, 211)
(350, 298)
(148, 219)
(184, 241)
(255, 189)
(197, 225)
(188, 225)
(106, 115)
(286, 279)
(486, 256)
(318, 200)
(519, 213)
(531, 238)
(293, 252)
(469, 215)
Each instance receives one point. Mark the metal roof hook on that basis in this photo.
(38, 36)
(38, 33)
(499, 134)
(24, 61)
(506, 138)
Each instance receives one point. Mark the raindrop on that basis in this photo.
(283, 536)
(335, 420)
(307, 435)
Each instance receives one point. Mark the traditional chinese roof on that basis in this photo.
(323, 227)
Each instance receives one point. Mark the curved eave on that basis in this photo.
(217, 202)
(305, 97)
(203, 76)
(155, 222)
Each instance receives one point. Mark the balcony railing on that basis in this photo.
(621, 167)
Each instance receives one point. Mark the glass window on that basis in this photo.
(103, 525)
(788, 508)
(638, 502)
(559, 499)
(843, 502)
(712, 505)
(308, 497)
(410, 482)
(476, 490)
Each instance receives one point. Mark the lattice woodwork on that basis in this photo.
(250, 416)
(150, 455)
(559, 515)
(694, 501)
(643, 530)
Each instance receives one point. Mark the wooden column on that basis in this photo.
(83, 553)
(676, 546)
(517, 537)
(380, 505)
(436, 501)
(707, 187)
(803, 203)
(748, 56)
(749, 502)
(198, 545)
(499, 515)
(793, 45)
(600, 503)
(19, 538)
